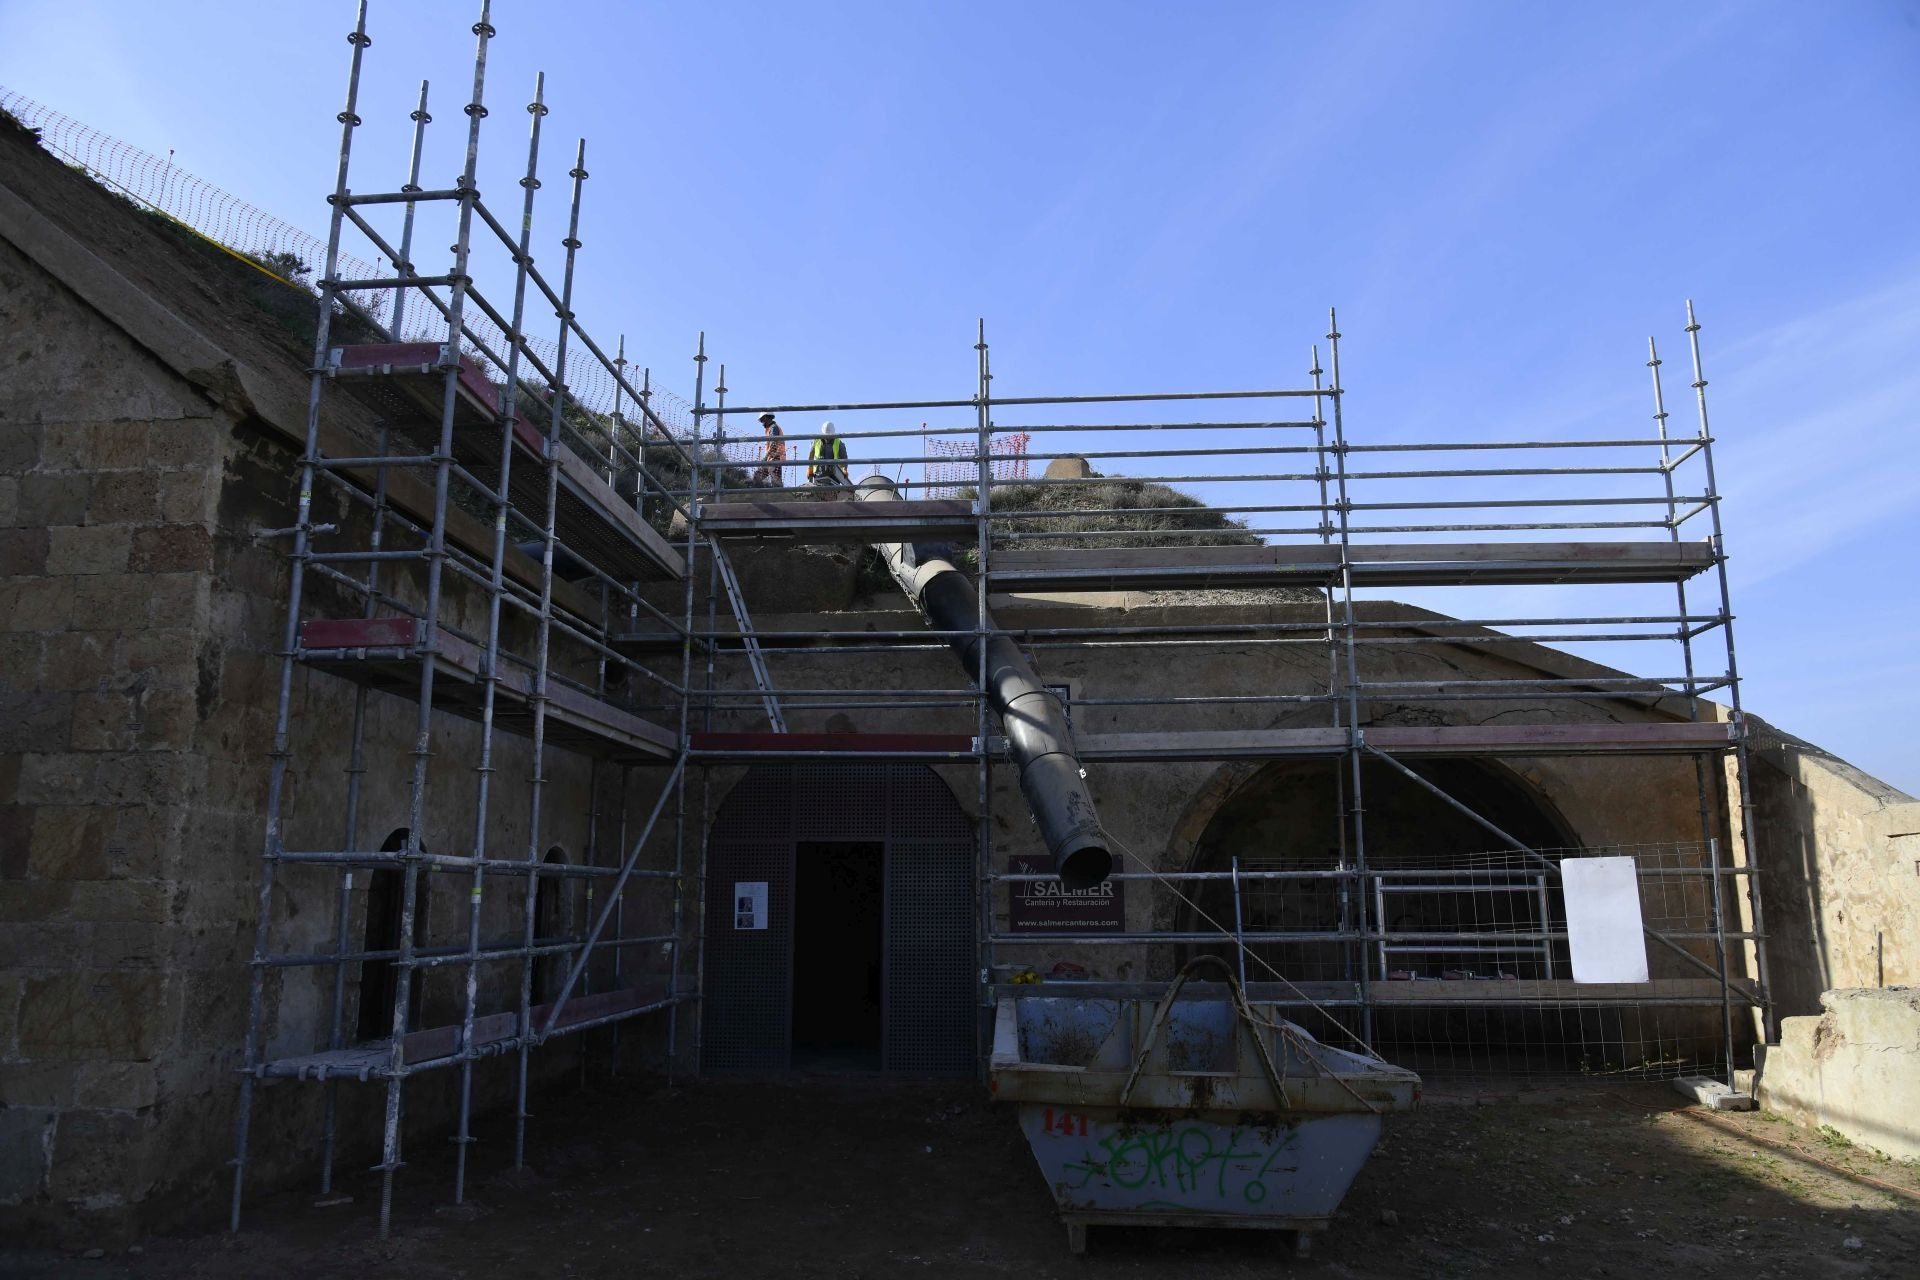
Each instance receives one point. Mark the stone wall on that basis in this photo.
(1839, 857)
(1854, 1068)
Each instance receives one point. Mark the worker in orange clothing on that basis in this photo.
(772, 469)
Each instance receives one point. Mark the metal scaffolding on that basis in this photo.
(1619, 509)
(488, 489)
(493, 487)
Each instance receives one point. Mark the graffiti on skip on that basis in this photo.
(1188, 1160)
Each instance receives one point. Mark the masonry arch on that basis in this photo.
(1289, 816)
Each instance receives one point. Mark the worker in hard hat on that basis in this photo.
(774, 453)
(827, 463)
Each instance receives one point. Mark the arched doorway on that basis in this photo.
(840, 922)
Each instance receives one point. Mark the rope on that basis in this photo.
(1256, 957)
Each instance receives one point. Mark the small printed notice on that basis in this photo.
(750, 904)
(1604, 933)
(1040, 906)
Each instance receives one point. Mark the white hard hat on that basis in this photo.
(826, 428)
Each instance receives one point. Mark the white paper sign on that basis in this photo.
(1603, 920)
(750, 904)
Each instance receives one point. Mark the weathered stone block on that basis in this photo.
(26, 1135)
(144, 777)
(120, 444)
(35, 604)
(184, 442)
(122, 901)
(69, 843)
(122, 945)
(20, 655)
(97, 1157)
(58, 777)
(140, 841)
(31, 901)
(50, 498)
(183, 497)
(174, 601)
(106, 601)
(121, 1016)
(127, 497)
(77, 659)
(109, 720)
(33, 719)
(16, 835)
(117, 1086)
(88, 548)
(23, 552)
(172, 548)
(20, 446)
(34, 1084)
(9, 501)
(67, 446)
(165, 650)
(46, 945)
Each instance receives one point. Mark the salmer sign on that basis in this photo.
(1043, 906)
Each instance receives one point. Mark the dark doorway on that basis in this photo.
(838, 922)
(386, 899)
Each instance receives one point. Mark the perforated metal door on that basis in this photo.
(927, 1025)
(748, 1008)
(927, 1011)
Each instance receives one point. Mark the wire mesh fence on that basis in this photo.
(1461, 964)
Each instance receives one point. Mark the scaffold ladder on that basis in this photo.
(755, 658)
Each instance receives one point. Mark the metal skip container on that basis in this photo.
(1195, 1108)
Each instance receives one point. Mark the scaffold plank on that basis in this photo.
(879, 745)
(404, 381)
(802, 521)
(384, 654)
(438, 1045)
(1413, 740)
(1374, 565)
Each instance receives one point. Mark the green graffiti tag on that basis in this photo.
(1194, 1160)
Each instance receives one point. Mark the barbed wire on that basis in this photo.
(159, 183)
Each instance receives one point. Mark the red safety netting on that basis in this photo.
(953, 465)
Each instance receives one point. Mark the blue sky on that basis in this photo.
(1504, 200)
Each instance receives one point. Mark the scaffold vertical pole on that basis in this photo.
(1356, 735)
(490, 671)
(1743, 788)
(404, 267)
(436, 557)
(693, 505)
(983, 760)
(290, 633)
(543, 646)
(1703, 791)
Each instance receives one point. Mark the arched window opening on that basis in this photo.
(386, 898)
(549, 926)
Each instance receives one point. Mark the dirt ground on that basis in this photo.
(837, 1176)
